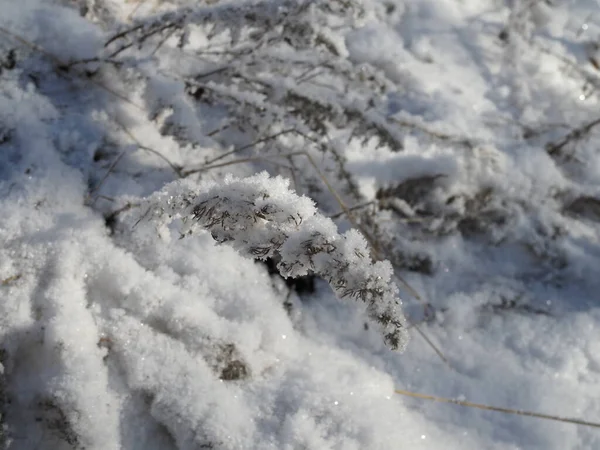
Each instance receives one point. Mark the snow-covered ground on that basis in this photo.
(116, 334)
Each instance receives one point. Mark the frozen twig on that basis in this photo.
(555, 148)
(518, 412)
(261, 218)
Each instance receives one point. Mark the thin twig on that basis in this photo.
(293, 172)
(236, 150)
(434, 133)
(59, 66)
(139, 4)
(106, 175)
(236, 161)
(115, 94)
(353, 208)
(141, 218)
(10, 279)
(304, 78)
(176, 168)
(219, 130)
(95, 59)
(212, 72)
(432, 345)
(518, 412)
(32, 45)
(574, 135)
(123, 33)
(333, 192)
(163, 40)
(126, 207)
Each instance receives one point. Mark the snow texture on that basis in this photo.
(463, 135)
(260, 217)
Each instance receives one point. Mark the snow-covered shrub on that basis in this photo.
(266, 80)
(261, 218)
(276, 75)
(275, 78)
(122, 340)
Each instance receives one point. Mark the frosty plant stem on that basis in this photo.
(518, 412)
(261, 217)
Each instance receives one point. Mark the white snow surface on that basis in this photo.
(120, 340)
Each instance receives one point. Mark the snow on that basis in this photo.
(117, 334)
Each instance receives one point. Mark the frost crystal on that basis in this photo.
(261, 217)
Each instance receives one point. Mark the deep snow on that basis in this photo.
(129, 338)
